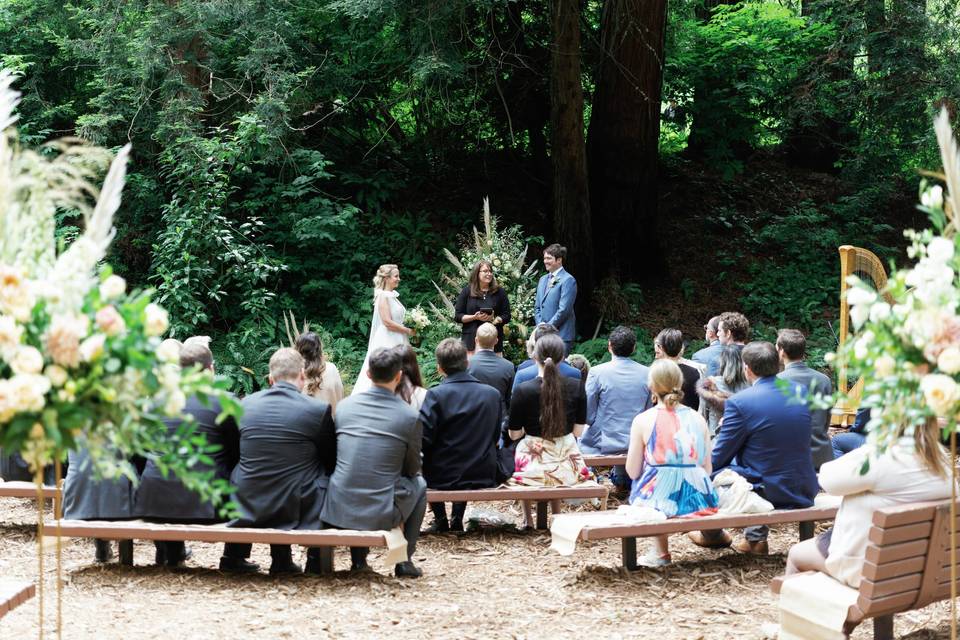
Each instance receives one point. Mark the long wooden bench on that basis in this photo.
(629, 533)
(605, 461)
(14, 594)
(127, 531)
(907, 565)
(541, 495)
(19, 489)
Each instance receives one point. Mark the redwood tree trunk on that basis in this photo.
(624, 139)
(571, 199)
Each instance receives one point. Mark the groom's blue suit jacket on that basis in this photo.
(554, 305)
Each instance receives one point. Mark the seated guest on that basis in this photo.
(461, 427)
(669, 344)
(377, 483)
(732, 329)
(856, 437)
(914, 469)
(581, 364)
(708, 355)
(526, 369)
(549, 413)
(323, 378)
(764, 437)
(792, 349)
(287, 448)
(715, 390)
(669, 456)
(616, 392)
(162, 497)
(411, 388)
(489, 368)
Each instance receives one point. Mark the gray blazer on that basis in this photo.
(287, 445)
(86, 498)
(491, 369)
(815, 382)
(376, 483)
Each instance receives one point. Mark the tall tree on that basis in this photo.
(624, 138)
(571, 197)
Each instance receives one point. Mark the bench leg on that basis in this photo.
(326, 559)
(629, 553)
(541, 514)
(806, 530)
(126, 552)
(883, 628)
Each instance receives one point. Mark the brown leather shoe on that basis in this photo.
(720, 541)
(754, 548)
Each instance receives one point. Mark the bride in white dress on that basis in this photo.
(386, 327)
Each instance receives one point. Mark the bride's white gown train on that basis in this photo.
(380, 335)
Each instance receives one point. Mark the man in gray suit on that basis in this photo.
(287, 448)
(377, 483)
(489, 368)
(792, 348)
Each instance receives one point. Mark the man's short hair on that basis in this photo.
(559, 252)
(622, 341)
(487, 336)
(762, 359)
(713, 323)
(452, 356)
(671, 341)
(736, 324)
(286, 364)
(384, 364)
(793, 343)
(544, 329)
(195, 353)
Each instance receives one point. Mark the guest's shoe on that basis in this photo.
(456, 526)
(407, 570)
(179, 562)
(722, 542)
(285, 568)
(238, 565)
(104, 551)
(359, 566)
(437, 527)
(653, 559)
(758, 548)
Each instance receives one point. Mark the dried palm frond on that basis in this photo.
(950, 155)
(290, 326)
(487, 222)
(446, 300)
(456, 262)
(477, 241)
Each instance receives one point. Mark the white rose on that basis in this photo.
(27, 392)
(110, 321)
(933, 197)
(113, 287)
(885, 365)
(7, 408)
(169, 351)
(949, 360)
(941, 393)
(27, 360)
(56, 374)
(92, 347)
(176, 401)
(860, 296)
(10, 334)
(879, 312)
(940, 250)
(157, 321)
(861, 348)
(829, 357)
(859, 315)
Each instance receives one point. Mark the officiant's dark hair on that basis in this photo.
(451, 356)
(384, 364)
(549, 352)
(475, 279)
(558, 251)
(762, 358)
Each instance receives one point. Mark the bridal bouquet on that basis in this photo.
(81, 358)
(908, 351)
(417, 318)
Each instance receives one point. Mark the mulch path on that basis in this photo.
(492, 583)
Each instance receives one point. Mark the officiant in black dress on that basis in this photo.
(482, 300)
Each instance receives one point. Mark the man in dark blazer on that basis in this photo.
(792, 349)
(461, 420)
(377, 483)
(489, 368)
(163, 497)
(764, 437)
(287, 449)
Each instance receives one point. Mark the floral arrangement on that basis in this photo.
(908, 350)
(81, 358)
(506, 250)
(417, 318)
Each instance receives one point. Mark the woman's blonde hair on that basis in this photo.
(384, 272)
(666, 382)
(926, 439)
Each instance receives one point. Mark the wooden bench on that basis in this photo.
(907, 565)
(605, 461)
(14, 594)
(19, 489)
(630, 532)
(127, 531)
(540, 495)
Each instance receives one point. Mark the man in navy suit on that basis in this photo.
(764, 437)
(556, 295)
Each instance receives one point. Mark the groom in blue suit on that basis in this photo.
(556, 295)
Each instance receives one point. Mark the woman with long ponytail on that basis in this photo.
(547, 415)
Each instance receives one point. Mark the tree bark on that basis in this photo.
(623, 143)
(571, 199)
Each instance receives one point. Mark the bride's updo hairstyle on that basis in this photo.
(384, 272)
(666, 382)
